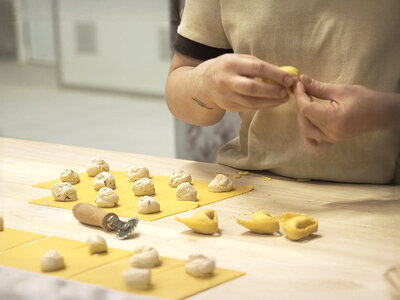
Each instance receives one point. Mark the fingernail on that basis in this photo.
(305, 79)
(288, 80)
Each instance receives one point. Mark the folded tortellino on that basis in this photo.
(205, 221)
(261, 222)
(298, 226)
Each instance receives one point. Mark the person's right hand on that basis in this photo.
(230, 82)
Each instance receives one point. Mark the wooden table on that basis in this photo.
(358, 239)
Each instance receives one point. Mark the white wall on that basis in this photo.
(118, 45)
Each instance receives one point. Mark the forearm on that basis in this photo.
(187, 100)
(389, 113)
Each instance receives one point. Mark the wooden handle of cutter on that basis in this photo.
(92, 215)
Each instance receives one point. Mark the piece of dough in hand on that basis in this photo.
(96, 166)
(104, 179)
(221, 183)
(64, 191)
(137, 279)
(70, 176)
(186, 192)
(143, 187)
(137, 172)
(96, 244)
(145, 257)
(148, 205)
(107, 197)
(52, 261)
(200, 265)
(179, 176)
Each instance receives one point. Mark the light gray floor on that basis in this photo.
(33, 106)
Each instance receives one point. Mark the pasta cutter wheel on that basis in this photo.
(89, 214)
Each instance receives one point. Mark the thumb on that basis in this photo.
(318, 89)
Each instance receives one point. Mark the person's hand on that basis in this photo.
(351, 111)
(230, 82)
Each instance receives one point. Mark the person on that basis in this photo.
(342, 123)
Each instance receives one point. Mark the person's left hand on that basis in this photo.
(351, 111)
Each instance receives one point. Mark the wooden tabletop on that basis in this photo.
(357, 241)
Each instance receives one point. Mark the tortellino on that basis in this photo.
(96, 244)
(261, 222)
(205, 221)
(148, 205)
(64, 191)
(186, 192)
(145, 257)
(221, 183)
(104, 179)
(107, 197)
(96, 166)
(298, 226)
(137, 172)
(143, 187)
(70, 176)
(52, 261)
(179, 176)
(200, 265)
(137, 279)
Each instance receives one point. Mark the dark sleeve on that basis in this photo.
(196, 50)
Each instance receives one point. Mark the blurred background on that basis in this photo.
(92, 73)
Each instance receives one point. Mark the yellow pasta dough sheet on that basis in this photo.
(169, 280)
(77, 257)
(10, 238)
(127, 205)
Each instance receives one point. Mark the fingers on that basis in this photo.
(257, 88)
(315, 112)
(318, 89)
(309, 130)
(237, 103)
(252, 67)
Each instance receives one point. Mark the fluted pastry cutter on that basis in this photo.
(92, 215)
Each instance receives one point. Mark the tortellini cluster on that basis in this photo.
(296, 226)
